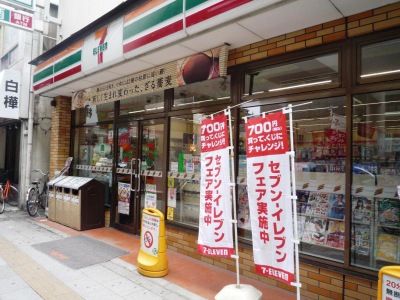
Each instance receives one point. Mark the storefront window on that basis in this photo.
(208, 92)
(318, 71)
(149, 103)
(376, 180)
(380, 59)
(94, 154)
(184, 169)
(91, 114)
(320, 146)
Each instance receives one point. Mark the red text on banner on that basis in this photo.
(268, 185)
(215, 226)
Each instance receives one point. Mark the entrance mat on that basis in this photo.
(79, 251)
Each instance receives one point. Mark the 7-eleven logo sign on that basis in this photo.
(100, 35)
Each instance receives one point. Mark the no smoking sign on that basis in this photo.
(150, 234)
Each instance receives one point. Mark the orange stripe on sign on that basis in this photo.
(100, 33)
(56, 57)
(142, 9)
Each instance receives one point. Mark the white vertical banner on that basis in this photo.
(10, 90)
(269, 193)
(215, 218)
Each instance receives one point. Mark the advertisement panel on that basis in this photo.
(19, 19)
(269, 193)
(215, 226)
(10, 87)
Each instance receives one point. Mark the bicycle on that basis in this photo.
(35, 197)
(8, 193)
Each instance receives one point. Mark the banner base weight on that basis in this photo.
(243, 291)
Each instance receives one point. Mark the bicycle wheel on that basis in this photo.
(2, 205)
(43, 200)
(13, 196)
(32, 202)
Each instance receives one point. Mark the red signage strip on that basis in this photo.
(266, 135)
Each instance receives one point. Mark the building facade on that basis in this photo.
(120, 109)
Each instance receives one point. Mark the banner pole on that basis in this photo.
(296, 240)
(233, 193)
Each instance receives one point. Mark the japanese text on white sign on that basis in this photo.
(215, 220)
(268, 183)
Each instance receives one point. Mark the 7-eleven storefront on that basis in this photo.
(129, 96)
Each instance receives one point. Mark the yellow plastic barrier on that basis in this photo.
(389, 283)
(152, 257)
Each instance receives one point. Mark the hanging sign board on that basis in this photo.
(10, 86)
(215, 226)
(198, 67)
(268, 184)
(19, 19)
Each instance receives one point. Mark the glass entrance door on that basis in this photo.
(140, 172)
(126, 174)
(152, 170)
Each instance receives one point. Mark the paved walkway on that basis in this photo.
(26, 273)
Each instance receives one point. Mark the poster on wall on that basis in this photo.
(124, 193)
(268, 184)
(215, 218)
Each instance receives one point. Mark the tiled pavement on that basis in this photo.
(26, 273)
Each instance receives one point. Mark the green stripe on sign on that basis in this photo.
(4, 14)
(43, 74)
(193, 3)
(167, 12)
(68, 61)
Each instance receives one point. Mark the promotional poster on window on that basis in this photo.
(268, 183)
(215, 218)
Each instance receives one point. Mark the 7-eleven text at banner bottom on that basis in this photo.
(215, 218)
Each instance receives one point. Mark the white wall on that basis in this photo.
(76, 14)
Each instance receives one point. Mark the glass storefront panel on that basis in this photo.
(149, 103)
(317, 71)
(376, 177)
(91, 114)
(94, 154)
(152, 162)
(208, 92)
(320, 145)
(380, 59)
(184, 158)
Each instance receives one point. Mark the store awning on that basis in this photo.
(123, 45)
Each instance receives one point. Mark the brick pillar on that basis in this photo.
(60, 137)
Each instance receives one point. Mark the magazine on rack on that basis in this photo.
(361, 239)
(387, 247)
(302, 200)
(300, 225)
(314, 231)
(317, 204)
(336, 206)
(389, 212)
(362, 210)
(335, 236)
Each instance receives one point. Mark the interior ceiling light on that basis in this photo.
(380, 73)
(300, 85)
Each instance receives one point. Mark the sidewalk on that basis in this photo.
(114, 279)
